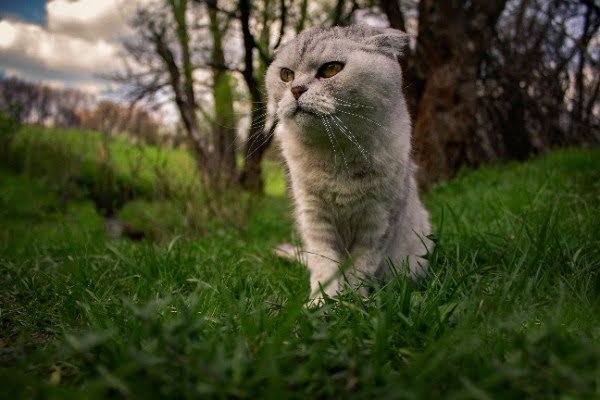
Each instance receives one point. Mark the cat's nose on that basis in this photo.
(298, 90)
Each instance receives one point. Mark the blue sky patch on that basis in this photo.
(33, 11)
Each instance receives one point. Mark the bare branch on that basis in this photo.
(283, 21)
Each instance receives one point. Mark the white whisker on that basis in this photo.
(344, 129)
(263, 116)
(264, 139)
(256, 122)
(330, 140)
(261, 119)
(332, 134)
(349, 103)
(366, 119)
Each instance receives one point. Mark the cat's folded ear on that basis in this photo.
(391, 41)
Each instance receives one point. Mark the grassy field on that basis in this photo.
(511, 308)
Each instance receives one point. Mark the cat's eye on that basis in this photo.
(330, 69)
(287, 75)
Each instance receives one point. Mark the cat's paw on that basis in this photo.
(315, 302)
(418, 268)
(289, 252)
(320, 291)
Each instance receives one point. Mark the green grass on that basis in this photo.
(511, 308)
(148, 170)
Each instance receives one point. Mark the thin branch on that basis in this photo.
(283, 18)
(221, 67)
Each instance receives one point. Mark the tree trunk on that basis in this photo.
(392, 10)
(452, 40)
(578, 118)
(258, 142)
(224, 132)
(251, 175)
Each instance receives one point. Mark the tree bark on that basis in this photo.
(392, 10)
(577, 114)
(223, 126)
(251, 175)
(186, 111)
(452, 40)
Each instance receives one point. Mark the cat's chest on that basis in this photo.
(354, 214)
(348, 195)
(344, 198)
(354, 207)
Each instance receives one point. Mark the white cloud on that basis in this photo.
(54, 50)
(91, 19)
(80, 41)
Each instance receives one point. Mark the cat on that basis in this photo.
(344, 130)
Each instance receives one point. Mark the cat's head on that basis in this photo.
(328, 78)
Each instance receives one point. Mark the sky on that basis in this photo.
(33, 11)
(63, 43)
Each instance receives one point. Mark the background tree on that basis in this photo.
(68, 108)
(503, 79)
(159, 68)
(484, 80)
(224, 121)
(177, 39)
(167, 65)
(41, 104)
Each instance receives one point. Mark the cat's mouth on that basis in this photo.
(299, 110)
(302, 112)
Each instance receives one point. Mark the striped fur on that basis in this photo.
(346, 141)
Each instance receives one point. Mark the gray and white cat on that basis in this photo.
(344, 130)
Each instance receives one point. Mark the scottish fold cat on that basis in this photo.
(344, 130)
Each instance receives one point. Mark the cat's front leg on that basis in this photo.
(367, 253)
(365, 263)
(321, 254)
(323, 265)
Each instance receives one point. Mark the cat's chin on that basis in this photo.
(300, 113)
(304, 119)
(307, 121)
(308, 126)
